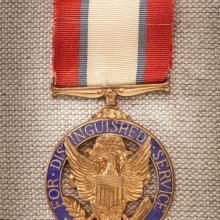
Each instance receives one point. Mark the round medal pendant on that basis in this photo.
(110, 168)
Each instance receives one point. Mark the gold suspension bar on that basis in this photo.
(120, 90)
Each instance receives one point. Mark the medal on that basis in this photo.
(110, 168)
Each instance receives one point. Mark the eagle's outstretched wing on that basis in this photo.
(83, 170)
(136, 172)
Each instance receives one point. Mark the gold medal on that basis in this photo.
(111, 168)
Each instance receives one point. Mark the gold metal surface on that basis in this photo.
(103, 178)
(110, 92)
(111, 112)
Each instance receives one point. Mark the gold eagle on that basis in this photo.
(108, 177)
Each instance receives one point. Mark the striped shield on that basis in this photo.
(109, 190)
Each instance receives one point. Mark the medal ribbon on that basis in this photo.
(112, 42)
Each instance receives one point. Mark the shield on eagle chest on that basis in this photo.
(109, 190)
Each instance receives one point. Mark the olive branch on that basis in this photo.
(74, 208)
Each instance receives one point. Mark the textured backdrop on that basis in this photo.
(186, 120)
